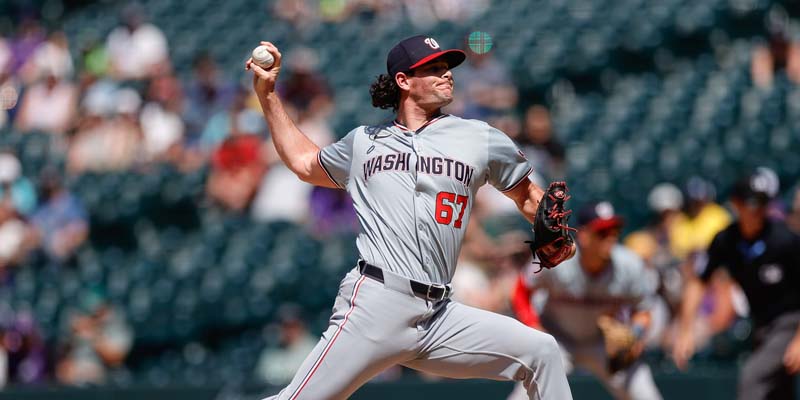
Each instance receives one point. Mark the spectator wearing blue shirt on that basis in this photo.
(61, 223)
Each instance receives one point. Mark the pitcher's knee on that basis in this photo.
(543, 348)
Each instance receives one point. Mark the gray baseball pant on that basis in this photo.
(763, 376)
(633, 383)
(377, 325)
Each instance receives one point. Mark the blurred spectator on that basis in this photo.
(238, 119)
(24, 350)
(487, 267)
(22, 191)
(544, 151)
(281, 195)
(474, 285)
(61, 222)
(237, 167)
(693, 230)
(281, 198)
(488, 87)
(425, 14)
(98, 340)
(653, 242)
(6, 56)
(780, 52)
(332, 212)
(14, 237)
(94, 59)
(160, 119)
(51, 58)
(276, 366)
(28, 38)
(49, 106)
(304, 88)
(207, 94)
(107, 143)
(302, 14)
(137, 49)
(793, 219)
(10, 89)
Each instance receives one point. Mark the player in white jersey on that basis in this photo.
(413, 183)
(603, 279)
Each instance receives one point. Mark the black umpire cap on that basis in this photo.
(417, 50)
(757, 188)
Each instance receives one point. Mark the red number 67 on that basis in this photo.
(447, 204)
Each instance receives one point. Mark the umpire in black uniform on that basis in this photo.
(763, 256)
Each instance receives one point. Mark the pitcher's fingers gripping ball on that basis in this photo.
(262, 57)
(552, 241)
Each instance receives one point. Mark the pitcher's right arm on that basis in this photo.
(296, 150)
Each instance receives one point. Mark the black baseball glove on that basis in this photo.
(552, 241)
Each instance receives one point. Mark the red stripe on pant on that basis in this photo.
(330, 344)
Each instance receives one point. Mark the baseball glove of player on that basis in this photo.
(552, 241)
(621, 343)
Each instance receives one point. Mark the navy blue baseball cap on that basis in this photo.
(417, 50)
(599, 216)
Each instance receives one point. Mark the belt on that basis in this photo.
(425, 291)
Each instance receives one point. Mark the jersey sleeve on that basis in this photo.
(642, 280)
(646, 288)
(708, 262)
(508, 166)
(336, 159)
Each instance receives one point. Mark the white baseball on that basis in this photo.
(262, 57)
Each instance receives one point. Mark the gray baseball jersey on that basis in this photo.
(413, 192)
(570, 303)
(574, 299)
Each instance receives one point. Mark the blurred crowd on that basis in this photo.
(118, 105)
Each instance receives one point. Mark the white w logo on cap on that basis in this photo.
(431, 42)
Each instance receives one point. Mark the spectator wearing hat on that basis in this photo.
(763, 256)
(603, 279)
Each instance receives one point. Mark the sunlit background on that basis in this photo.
(152, 245)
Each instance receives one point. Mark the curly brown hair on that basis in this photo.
(385, 93)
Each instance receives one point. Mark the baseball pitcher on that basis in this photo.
(413, 182)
